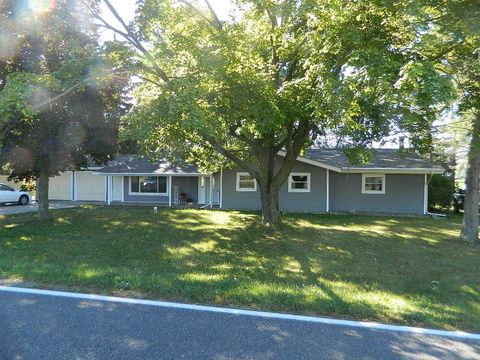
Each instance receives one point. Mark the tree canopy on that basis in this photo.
(449, 37)
(275, 77)
(59, 98)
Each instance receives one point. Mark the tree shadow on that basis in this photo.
(406, 270)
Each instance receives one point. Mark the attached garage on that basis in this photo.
(89, 187)
(60, 186)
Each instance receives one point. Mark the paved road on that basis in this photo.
(11, 209)
(44, 327)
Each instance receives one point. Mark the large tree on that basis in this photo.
(449, 36)
(59, 98)
(272, 78)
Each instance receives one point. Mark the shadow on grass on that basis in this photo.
(409, 270)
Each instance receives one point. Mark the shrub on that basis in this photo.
(440, 191)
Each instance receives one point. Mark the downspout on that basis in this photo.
(109, 189)
(170, 191)
(211, 191)
(73, 190)
(106, 190)
(123, 189)
(327, 207)
(221, 187)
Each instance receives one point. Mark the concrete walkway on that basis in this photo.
(42, 325)
(32, 207)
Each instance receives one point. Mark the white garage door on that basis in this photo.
(90, 187)
(60, 187)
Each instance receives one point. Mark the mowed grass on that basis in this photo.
(391, 269)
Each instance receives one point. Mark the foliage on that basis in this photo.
(275, 77)
(452, 39)
(59, 99)
(363, 267)
(440, 191)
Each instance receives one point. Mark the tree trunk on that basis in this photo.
(472, 197)
(42, 193)
(270, 212)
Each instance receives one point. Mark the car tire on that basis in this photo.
(24, 200)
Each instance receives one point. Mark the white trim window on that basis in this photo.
(245, 182)
(148, 185)
(299, 182)
(373, 183)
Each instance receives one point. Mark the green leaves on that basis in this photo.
(60, 99)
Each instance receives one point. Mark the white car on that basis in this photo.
(10, 195)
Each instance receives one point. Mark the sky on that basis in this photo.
(126, 9)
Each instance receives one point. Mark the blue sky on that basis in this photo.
(126, 9)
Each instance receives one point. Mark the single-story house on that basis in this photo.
(321, 181)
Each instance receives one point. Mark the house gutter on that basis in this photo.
(221, 187)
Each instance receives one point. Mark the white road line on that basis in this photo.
(262, 314)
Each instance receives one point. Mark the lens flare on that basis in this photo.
(41, 7)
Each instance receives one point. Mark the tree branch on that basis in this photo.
(215, 23)
(214, 15)
(130, 37)
(293, 151)
(232, 156)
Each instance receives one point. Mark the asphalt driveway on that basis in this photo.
(38, 326)
(11, 209)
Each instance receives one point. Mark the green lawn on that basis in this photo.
(400, 270)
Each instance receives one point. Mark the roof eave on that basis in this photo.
(349, 170)
(150, 174)
(312, 162)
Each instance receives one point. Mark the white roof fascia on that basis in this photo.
(150, 174)
(313, 162)
(393, 170)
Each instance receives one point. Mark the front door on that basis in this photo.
(202, 189)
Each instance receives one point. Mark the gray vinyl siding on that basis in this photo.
(313, 201)
(403, 194)
(187, 185)
(233, 199)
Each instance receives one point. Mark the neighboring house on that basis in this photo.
(321, 181)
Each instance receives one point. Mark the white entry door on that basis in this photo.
(202, 189)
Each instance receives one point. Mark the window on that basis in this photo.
(373, 184)
(149, 185)
(299, 182)
(5, 188)
(245, 182)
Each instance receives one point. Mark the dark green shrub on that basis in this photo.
(440, 191)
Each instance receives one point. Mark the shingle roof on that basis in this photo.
(131, 164)
(382, 158)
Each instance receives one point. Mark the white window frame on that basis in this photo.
(379, 192)
(290, 180)
(237, 182)
(130, 192)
